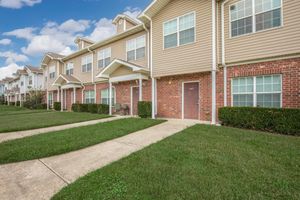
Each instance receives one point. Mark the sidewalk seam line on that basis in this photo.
(54, 172)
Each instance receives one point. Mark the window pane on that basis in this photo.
(187, 22)
(243, 100)
(140, 42)
(100, 63)
(130, 55)
(241, 27)
(130, 45)
(268, 19)
(107, 61)
(140, 53)
(269, 100)
(171, 41)
(170, 27)
(187, 36)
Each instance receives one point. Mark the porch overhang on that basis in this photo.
(135, 72)
(67, 81)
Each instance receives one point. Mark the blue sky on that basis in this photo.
(30, 28)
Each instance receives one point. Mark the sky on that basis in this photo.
(30, 28)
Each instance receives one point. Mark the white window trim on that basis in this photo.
(177, 31)
(101, 54)
(135, 47)
(254, 93)
(92, 96)
(115, 95)
(86, 63)
(254, 20)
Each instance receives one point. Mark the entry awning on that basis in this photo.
(134, 71)
(67, 81)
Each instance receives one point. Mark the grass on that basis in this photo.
(201, 162)
(28, 121)
(59, 142)
(5, 108)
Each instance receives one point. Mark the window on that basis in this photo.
(89, 96)
(105, 96)
(30, 80)
(260, 91)
(104, 57)
(70, 69)
(86, 63)
(136, 48)
(22, 83)
(267, 15)
(179, 31)
(52, 72)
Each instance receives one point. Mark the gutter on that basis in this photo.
(223, 51)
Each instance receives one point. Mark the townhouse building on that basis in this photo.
(188, 57)
(2, 88)
(17, 88)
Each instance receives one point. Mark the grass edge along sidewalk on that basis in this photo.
(201, 162)
(60, 142)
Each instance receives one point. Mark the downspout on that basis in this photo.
(223, 51)
(93, 79)
(82, 94)
(214, 63)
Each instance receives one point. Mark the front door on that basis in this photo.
(191, 100)
(135, 100)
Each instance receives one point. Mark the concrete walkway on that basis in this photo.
(41, 179)
(21, 134)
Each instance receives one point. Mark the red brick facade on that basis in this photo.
(169, 89)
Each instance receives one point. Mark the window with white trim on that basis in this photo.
(89, 96)
(52, 72)
(136, 48)
(104, 57)
(179, 31)
(259, 91)
(70, 69)
(86, 63)
(105, 96)
(267, 15)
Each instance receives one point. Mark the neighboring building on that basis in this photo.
(24, 80)
(189, 58)
(2, 88)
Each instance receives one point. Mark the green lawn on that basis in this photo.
(202, 162)
(4, 108)
(27, 121)
(59, 142)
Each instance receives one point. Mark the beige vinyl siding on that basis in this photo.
(279, 41)
(118, 51)
(120, 27)
(58, 70)
(190, 58)
(129, 25)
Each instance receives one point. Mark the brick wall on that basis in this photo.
(288, 68)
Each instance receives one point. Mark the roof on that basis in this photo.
(78, 39)
(116, 63)
(7, 79)
(126, 17)
(34, 69)
(50, 56)
(21, 71)
(67, 78)
(152, 10)
(109, 40)
(55, 55)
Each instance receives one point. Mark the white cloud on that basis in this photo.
(103, 29)
(16, 4)
(12, 57)
(5, 42)
(132, 12)
(73, 26)
(7, 71)
(23, 33)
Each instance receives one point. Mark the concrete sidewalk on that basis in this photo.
(41, 179)
(21, 134)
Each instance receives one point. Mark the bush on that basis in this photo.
(75, 107)
(41, 106)
(103, 109)
(83, 108)
(145, 109)
(57, 106)
(93, 108)
(18, 103)
(284, 121)
(12, 103)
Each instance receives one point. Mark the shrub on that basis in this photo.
(57, 106)
(12, 103)
(103, 109)
(41, 106)
(75, 107)
(284, 121)
(93, 108)
(18, 103)
(144, 109)
(83, 108)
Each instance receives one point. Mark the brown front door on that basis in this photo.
(135, 100)
(191, 100)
